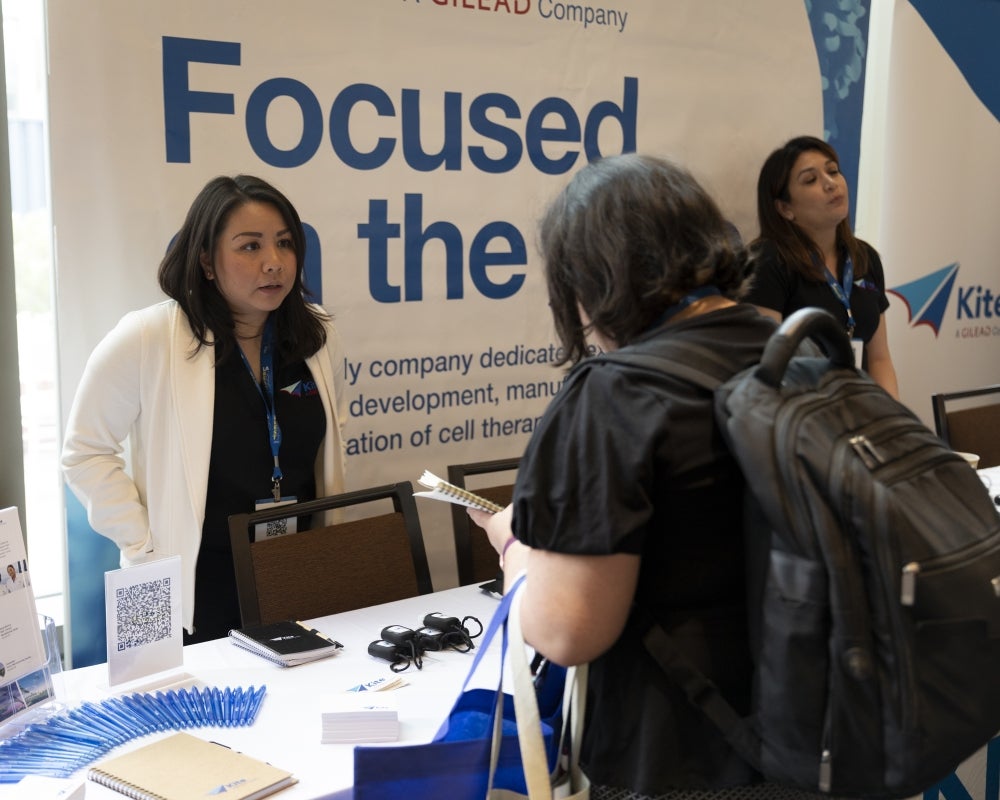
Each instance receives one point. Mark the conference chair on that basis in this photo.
(331, 567)
(969, 421)
(475, 557)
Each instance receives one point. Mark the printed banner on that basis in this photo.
(420, 142)
(935, 220)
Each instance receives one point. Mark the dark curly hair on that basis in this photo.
(298, 326)
(626, 239)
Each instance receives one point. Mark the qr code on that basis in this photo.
(143, 613)
(277, 527)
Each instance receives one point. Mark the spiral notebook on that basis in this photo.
(450, 493)
(288, 642)
(184, 767)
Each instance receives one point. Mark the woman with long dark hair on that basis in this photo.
(807, 254)
(230, 395)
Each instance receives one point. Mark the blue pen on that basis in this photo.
(44, 741)
(180, 698)
(202, 700)
(223, 710)
(245, 695)
(126, 719)
(206, 706)
(256, 703)
(55, 743)
(182, 701)
(141, 724)
(189, 706)
(216, 706)
(168, 702)
(66, 729)
(143, 716)
(122, 720)
(14, 776)
(91, 718)
(163, 720)
(127, 710)
(228, 697)
(212, 706)
(237, 706)
(110, 720)
(162, 712)
(193, 697)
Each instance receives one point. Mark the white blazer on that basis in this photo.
(141, 384)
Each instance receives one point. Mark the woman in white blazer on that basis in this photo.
(229, 395)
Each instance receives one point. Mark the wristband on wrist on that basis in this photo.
(506, 547)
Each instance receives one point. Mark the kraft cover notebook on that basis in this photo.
(286, 643)
(184, 767)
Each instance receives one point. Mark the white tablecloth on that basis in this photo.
(287, 730)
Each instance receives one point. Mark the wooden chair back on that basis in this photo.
(330, 567)
(969, 421)
(474, 555)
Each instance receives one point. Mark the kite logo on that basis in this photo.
(301, 389)
(927, 298)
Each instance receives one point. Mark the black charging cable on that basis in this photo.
(401, 646)
(453, 632)
(405, 641)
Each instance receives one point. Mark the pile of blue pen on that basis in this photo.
(71, 739)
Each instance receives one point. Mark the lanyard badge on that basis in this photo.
(266, 390)
(843, 291)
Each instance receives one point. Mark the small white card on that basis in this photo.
(278, 527)
(859, 352)
(142, 605)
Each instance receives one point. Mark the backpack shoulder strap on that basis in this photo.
(705, 368)
(685, 360)
(701, 692)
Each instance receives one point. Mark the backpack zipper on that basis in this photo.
(931, 566)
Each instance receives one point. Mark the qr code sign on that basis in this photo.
(143, 613)
(278, 527)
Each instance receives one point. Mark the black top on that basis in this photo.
(629, 461)
(785, 290)
(239, 474)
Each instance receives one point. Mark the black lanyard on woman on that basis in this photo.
(266, 390)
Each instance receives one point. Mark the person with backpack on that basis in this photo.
(807, 255)
(626, 496)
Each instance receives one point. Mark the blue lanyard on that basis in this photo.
(684, 302)
(267, 395)
(843, 292)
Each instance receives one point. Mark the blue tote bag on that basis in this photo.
(455, 764)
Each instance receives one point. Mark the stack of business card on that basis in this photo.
(351, 717)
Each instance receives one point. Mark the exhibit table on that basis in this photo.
(287, 731)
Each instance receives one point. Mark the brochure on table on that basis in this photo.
(142, 605)
(22, 653)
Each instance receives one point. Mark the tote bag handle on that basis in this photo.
(529, 731)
